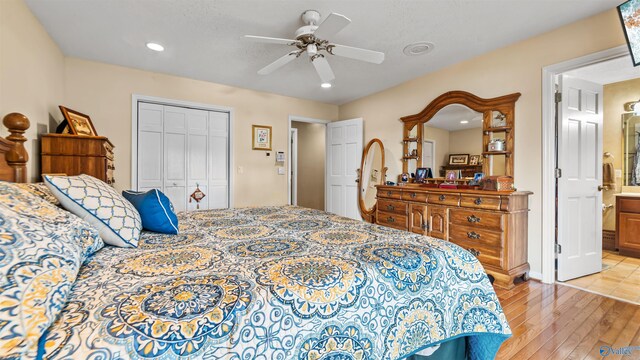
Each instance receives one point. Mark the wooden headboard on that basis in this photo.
(13, 155)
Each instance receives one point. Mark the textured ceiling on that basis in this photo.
(608, 72)
(203, 38)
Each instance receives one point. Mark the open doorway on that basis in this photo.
(598, 138)
(307, 163)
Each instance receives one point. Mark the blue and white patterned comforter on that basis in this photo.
(277, 283)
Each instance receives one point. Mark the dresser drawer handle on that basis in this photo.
(389, 193)
(413, 195)
(473, 235)
(478, 201)
(474, 252)
(391, 207)
(442, 197)
(391, 220)
(473, 219)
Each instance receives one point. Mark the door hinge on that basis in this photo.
(558, 173)
(558, 97)
(558, 249)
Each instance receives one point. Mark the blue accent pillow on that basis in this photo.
(156, 210)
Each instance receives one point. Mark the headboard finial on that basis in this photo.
(17, 158)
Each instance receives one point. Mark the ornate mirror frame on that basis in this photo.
(369, 214)
(503, 104)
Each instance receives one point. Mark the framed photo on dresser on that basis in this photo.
(78, 123)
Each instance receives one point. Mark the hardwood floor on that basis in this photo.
(560, 322)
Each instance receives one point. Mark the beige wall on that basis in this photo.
(311, 164)
(104, 92)
(441, 137)
(31, 74)
(516, 68)
(615, 95)
(466, 142)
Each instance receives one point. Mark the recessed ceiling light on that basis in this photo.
(464, 122)
(325, 85)
(155, 46)
(418, 48)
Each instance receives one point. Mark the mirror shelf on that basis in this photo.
(496, 130)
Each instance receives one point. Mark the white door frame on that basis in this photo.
(549, 74)
(293, 154)
(305, 120)
(135, 98)
(433, 155)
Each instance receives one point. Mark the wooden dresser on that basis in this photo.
(492, 225)
(75, 155)
(628, 225)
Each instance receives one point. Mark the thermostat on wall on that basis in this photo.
(280, 156)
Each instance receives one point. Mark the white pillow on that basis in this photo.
(115, 218)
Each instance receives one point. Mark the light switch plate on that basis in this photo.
(618, 173)
(240, 170)
(280, 170)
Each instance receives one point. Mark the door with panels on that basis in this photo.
(180, 149)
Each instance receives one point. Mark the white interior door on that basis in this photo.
(150, 146)
(579, 195)
(175, 156)
(344, 153)
(219, 128)
(428, 154)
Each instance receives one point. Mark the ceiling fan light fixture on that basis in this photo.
(155, 46)
(325, 85)
(418, 48)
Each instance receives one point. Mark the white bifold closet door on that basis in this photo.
(182, 148)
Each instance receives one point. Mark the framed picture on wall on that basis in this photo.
(261, 137)
(79, 123)
(629, 12)
(458, 159)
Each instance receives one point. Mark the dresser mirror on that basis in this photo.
(372, 173)
(459, 135)
(631, 145)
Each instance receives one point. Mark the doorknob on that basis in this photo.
(600, 187)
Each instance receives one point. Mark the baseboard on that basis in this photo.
(535, 275)
(608, 240)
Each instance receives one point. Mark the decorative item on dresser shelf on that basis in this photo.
(497, 183)
(76, 155)
(459, 159)
(492, 225)
(77, 123)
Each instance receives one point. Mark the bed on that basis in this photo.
(276, 283)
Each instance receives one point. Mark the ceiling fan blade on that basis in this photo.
(271, 40)
(323, 69)
(331, 26)
(371, 56)
(278, 63)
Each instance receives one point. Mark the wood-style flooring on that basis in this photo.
(561, 322)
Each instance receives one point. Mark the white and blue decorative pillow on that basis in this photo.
(100, 205)
(156, 210)
(41, 250)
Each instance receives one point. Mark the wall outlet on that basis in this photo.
(281, 170)
(618, 173)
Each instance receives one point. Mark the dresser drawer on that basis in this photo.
(476, 235)
(396, 221)
(477, 219)
(480, 202)
(444, 199)
(391, 194)
(418, 196)
(391, 206)
(486, 254)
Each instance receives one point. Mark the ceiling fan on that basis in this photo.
(312, 39)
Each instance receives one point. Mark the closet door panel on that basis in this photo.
(175, 156)
(197, 165)
(218, 160)
(150, 146)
